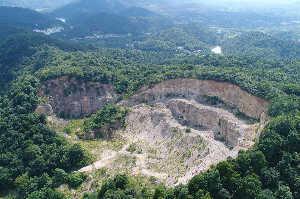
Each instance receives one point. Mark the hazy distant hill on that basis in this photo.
(137, 12)
(106, 23)
(88, 17)
(120, 7)
(35, 4)
(25, 18)
(88, 7)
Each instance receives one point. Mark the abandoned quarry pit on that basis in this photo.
(174, 129)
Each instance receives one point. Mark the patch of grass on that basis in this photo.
(76, 179)
(91, 184)
(74, 127)
(56, 124)
(96, 147)
(152, 153)
(244, 117)
(134, 148)
(188, 130)
(126, 162)
(187, 154)
(213, 100)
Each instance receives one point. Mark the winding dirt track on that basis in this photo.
(109, 157)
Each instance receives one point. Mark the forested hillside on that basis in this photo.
(262, 45)
(45, 5)
(21, 44)
(25, 18)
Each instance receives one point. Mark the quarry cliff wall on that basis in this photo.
(72, 98)
(225, 125)
(231, 94)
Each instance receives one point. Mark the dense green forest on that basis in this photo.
(105, 121)
(31, 153)
(262, 45)
(35, 160)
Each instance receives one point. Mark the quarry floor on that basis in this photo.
(155, 146)
(163, 149)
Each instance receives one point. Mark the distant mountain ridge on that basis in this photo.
(35, 4)
(84, 7)
(25, 18)
(81, 18)
(132, 7)
(89, 17)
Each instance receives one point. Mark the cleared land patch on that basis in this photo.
(176, 129)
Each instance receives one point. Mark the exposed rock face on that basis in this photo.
(182, 104)
(180, 134)
(45, 109)
(174, 152)
(167, 148)
(232, 95)
(223, 124)
(72, 98)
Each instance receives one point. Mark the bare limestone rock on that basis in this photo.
(225, 125)
(232, 95)
(167, 147)
(162, 114)
(177, 154)
(73, 98)
(45, 109)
